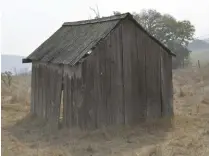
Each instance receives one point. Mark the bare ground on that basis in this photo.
(189, 134)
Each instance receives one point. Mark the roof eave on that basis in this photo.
(172, 54)
(26, 60)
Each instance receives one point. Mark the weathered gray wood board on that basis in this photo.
(166, 85)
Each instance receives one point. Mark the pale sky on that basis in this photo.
(25, 24)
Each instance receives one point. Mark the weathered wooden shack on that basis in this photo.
(110, 70)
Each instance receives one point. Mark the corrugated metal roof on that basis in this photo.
(74, 39)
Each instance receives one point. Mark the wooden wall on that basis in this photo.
(46, 91)
(125, 80)
(148, 75)
(96, 86)
(142, 76)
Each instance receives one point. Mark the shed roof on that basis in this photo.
(74, 39)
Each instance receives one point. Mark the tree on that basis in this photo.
(171, 32)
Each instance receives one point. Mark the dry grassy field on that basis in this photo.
(23, 135)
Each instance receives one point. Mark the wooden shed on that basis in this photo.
(105, 71)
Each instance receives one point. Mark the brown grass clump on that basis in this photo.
(181, 93)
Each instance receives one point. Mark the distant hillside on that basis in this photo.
(202, 56)
(207, 40)
(14, 64)
(198, 46)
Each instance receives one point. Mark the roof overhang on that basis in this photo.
(26, 60)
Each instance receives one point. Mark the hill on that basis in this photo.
(207, 40)
(198, 46)
(13, 63)
(202, 56)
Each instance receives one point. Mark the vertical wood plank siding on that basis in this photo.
(46, 91)
(103, 87)
(72, 97)
(142, 83)
(125, 80)
(167, 85)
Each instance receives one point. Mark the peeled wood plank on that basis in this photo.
(170, 78)
(166, 75)
(68, 104)
(44, 90)
(65, 101)
(153, 83)
(89, 91)
(94, 94)
(102, 110)
(115, 62)
(36, 90)
(83, 89)
(149, 84)
(47, 95)
(73, 112)
(118, 79)
(58, 94)
(32, 105)
(127, 50)
(108, 85)
(136, 73)
(141, 49)
(104, 84)
(40, 91)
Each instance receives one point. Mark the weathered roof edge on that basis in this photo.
(102, 38)
(115, 17)
(110, 18)
(152, 37)
(98, 20)
(82, 22)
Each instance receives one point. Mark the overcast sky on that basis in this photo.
(26, 24)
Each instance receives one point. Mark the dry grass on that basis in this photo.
(19, 91)
(189, 135)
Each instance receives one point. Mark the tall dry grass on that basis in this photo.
(189, 135)
(18, 92)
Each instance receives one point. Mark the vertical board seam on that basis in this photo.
(122, 73)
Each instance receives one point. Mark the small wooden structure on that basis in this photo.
(110, 70)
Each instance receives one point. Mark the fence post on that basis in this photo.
(199, 63)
